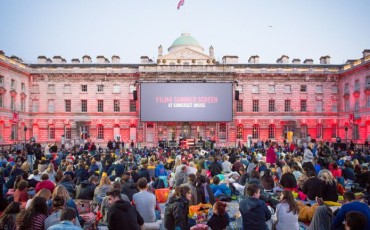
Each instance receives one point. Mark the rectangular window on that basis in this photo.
(23, 87)
(357, 104)
(239, 106)
(303, 88)
(67, 105)
(346, 105)
(271, 88)
(255, 105)
(14, 132)
(255, 89)
(68, 133)
(303, 105)
(346, 88)
(67, 88)
(83, 105)
(334, 107)
(12, 84)
(1, 80)
(100, 132)
(35, 106)
(334, 131)
(367, 82)
(271, 105)
(287, 106)
(356, 132)
(51, 88)
(357, 85)
(100, 88)
(116, 89)
(287, 89)
(1, 100)
(83, 88)
(367, 101)
(12, 103)
(23, 104)
(1, 130)
(319, 89)
(116, 106)
(51, 132)
(51, 106)
(334, 89)
(100, 106)
(35, 89)
(132, 106)
(319, 107)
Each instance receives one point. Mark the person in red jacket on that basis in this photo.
(271, 154)
(45, 183)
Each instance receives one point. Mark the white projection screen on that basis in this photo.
(211, 102)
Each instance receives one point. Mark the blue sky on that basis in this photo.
(133, 28)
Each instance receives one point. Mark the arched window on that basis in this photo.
(51, 132)
(255, 132)
(239, 132)
(100, 132)
(319, 131)
(303, 131)
(334, 131)
(271, 131)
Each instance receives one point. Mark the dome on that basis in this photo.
(186, 41)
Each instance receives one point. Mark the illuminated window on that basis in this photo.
(271, 131)
(271, 105)
(83, 105)
(319, 131)
(51, 132)
(100, 132)
(100, 106)
(255, 132)
(255, 106)
(239, 106)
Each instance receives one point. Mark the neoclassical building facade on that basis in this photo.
(59, 101)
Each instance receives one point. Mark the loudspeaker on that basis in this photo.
(134, 93)
(237, 95)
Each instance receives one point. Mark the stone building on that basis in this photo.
(60, 101)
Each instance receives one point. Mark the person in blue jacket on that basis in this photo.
(219, 189)
(253, 210)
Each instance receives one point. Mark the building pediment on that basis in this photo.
(185, 54)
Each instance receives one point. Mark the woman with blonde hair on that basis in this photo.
(288, 180)
(61, 191)
(51, 172)
(102, 189)
(45, 193)
(329, 187)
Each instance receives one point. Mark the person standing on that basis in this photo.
(271, 154)
(121, 214)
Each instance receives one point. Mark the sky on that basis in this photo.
(134, 28)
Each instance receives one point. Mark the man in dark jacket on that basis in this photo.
(86, 189)
(121, 214)
(176, 213)
(67, 183)
(128, 188)
(215, 168)
(253, 210)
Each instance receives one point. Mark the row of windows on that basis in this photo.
(13, 84)
(84, 106)
(68, 133)
(287, 106)
(347, 106)
(357, 86)
(67, 88)
(13, 103)
(288, 89)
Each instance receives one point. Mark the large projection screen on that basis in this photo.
(211, 102)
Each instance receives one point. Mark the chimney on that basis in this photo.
(325, 60)
(296, 61)
(230, 59)
(366, 53)
(115, 59)
(57, 59)
(41, 60)
(283, 60)
(254, 59)
(100, 59)
(144, 59)
(75, 61)
(15, 58)
(2, 52)
(86, 59)
(308, 61)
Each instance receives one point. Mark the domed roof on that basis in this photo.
(186, 40)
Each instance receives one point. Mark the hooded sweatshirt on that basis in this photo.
(254, 213)
(176, 214)
(122, 215)
(85, 190)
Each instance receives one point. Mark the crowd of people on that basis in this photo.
(276, 186)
